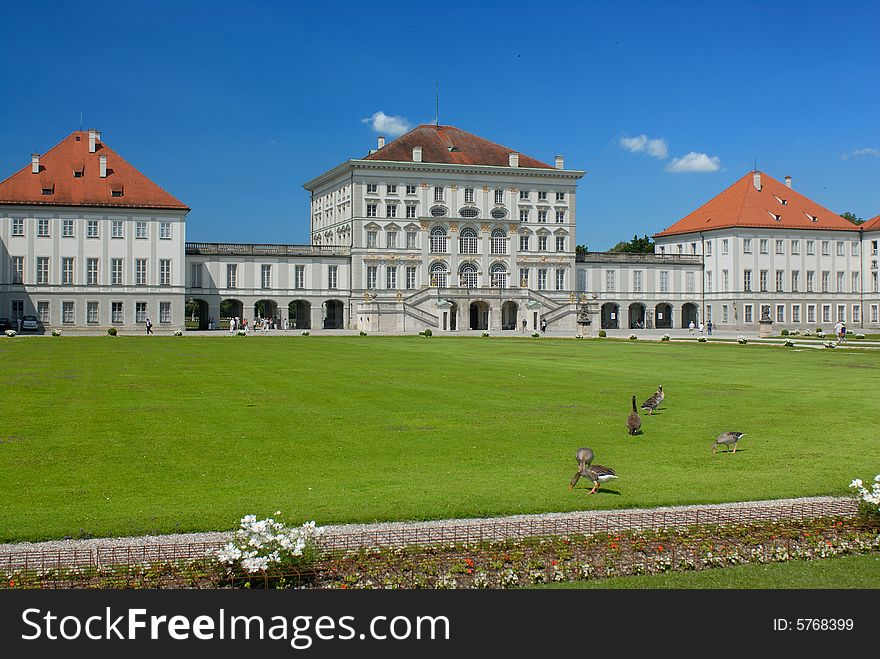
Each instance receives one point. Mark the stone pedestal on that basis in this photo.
(765, 328)
(584, 329)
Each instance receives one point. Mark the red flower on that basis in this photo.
(469, 571)
(552, 562)
(469, 561)
(12, 584)
(659, 547)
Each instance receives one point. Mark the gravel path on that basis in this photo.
(148, 549)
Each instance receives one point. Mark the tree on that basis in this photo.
(580, 250)
(636, 245)
(852, 217)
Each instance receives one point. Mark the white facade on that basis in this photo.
(96, 268)
(452, 247)
(802, 279)
(405, 245)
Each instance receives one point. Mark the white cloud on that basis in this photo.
(694, 162)
(386, 124)
(861, 152)
(655, 147)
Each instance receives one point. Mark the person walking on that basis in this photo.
(691, 327)
(842, 332)
(524, 325)
(838, 328)
(701, 328)
(543, 325)
(709, 328)
(149, 326)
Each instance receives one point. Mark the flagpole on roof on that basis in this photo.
(437, 104)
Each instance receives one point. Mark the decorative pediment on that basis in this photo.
(372, 226)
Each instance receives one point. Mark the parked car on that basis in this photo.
(5, 324)
(29, 324)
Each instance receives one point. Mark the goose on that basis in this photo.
(633, 421)
(584, 458)
(598, 474)
(727, 438)
(660, 393)
(651, 404)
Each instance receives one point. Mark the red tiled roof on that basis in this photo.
(743, 205)
(72, 153)
(450, 145)
(872, 224)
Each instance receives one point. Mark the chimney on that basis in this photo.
(560, 162)
(757, 180)
(35, 163)
(93, 137)
(788, 181)
(417, 154)
(381, 141)
(513, 159)
(102, 160)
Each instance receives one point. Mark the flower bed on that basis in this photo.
(503, 564)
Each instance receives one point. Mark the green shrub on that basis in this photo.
(428, 332)
(305, 332)
(56, 332)
(422, 333)
(602, 334)
(485, 334)
(537, 335)
(112, 331)
(784, 332)
(818, 330)
(363, 333)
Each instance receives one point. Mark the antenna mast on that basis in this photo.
(437, 104)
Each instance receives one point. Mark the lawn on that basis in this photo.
(844, 572)
(128, 435)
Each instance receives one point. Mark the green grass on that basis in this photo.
(843, 572)
(126, 435)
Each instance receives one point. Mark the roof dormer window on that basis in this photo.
(116, 189)
(47, 187)
(78, 169)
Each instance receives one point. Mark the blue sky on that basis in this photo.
(232, 106)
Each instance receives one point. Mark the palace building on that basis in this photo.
(437, 229)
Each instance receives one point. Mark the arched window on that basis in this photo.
(498, 243)
(498, 274)
(467, 241)
(439, 274)
(468, 275)
(438, 240)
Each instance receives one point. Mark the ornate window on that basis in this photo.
(468, 241)
(498, 274)
(468, 275)
(499, 242)
(438, 240)
(439, 275)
